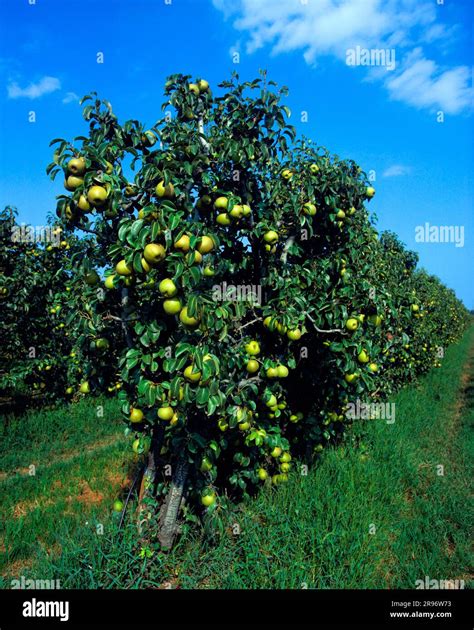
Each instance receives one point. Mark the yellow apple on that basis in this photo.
(154, 253)
(168, 288)
(183, 243)
(123, 269)
(172, 306)
(223, 219)
(206, 245)
(77, 166)
(97, 196)
(164, 191)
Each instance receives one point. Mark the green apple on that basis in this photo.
(282, 371)
(168, 288)
(154, 253)
(223, 219)
(352, 324)
(208, 499)
(363, 357)
(309, 209)
(370, 192)
(270, 237)
(252, 366)
(77, 166)
(221, 203)
(252, 348)
(294, 335)
(165, 413)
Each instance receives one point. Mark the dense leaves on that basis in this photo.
(245, 296)
(34, 340)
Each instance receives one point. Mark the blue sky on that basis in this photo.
(384, 119)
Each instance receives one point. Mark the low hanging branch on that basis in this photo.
(320, 330)
(253, 321)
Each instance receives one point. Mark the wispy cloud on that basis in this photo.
(332, 27)
(422, 83)
(71, 97)
(396, 170)
(46, 85)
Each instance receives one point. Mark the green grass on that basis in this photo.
(81, 463)
(373, 513)
(39, 435)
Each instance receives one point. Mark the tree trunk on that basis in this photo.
(149, 476)
(170, 509)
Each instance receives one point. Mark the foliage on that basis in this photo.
(225, 202)
(313, 531)
(34, 340)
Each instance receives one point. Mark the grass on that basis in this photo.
(60, 471)
(387, 507)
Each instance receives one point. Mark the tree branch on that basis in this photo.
(320, 330)
(204, 143)
(125, 309)
(246, 381)
(288, 243)
(253, 321)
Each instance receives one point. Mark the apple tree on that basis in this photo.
(34, 337)
(244, 296)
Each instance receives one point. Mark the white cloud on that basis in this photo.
(422, 83)
(331, 27)
(46, 85)
(71, 97)
(396, 170)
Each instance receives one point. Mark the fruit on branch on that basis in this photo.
(206, 245)
(221, 203)
(123, 269)
(370, 192)
(168, 288)
(72, 182)
(252, 348)
(363, 357)
(223, 219)
(97, 196)
(352, 324)
(270, 237)
(172, 306)
(136, 415)
(154, 253)
(309, 209)
(77, 166)
(191, 375)
(183, 243)
(163, 191)
(187, 320)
